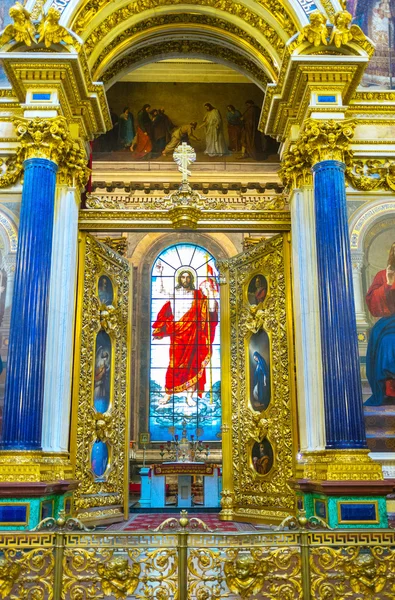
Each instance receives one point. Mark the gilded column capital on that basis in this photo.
(327, 140)
(47, 138)
(43, 137)
(320, 140)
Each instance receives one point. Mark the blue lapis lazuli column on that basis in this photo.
(23, 401)
(344, 419)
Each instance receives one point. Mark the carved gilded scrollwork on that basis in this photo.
(176, 19)
(140, 572)
(26, 574)
(254, 496)
(252, 571)
(371, 174)
(227, 6)
(189, 46)
(90, 425)
(339, 573)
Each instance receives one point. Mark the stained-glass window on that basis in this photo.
(185, 352)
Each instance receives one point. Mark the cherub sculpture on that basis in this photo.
(51, 32)
(22, 30)
(118, 578)
(343, 32)
(245, 575)
(316, 32)
(9, 573)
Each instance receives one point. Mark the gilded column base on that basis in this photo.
(340, 465)
(34, 466)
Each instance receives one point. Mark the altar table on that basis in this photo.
(184, 472)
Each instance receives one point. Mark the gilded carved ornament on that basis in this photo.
(136, 7)
(177, 19)
(186, 47)
(51, 32)
(118, 578)
(24, 30)
(341, 33)
(371, 174)
(316, 32)
(368, 572)
(9, 573)
(320, 140)
(50, 139)
(246, 575)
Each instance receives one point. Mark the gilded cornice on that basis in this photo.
(92, 7)
(116, 45)
(187, 47)
(320, 140)
(50, 139)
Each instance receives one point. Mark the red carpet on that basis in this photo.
(142, 522)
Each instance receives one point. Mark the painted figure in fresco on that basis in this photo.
(234, 128)
(126, 128)
(215, 140)
(105, 291)
(142, 144)
(261, 382)
(251, 139)
(380, 355)
(262, 462)
(189, 318)
(102, 372)
(162, 128)
(185, 133)
(259, 289)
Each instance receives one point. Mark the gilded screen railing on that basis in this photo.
(198, 565)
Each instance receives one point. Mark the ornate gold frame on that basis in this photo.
(105, 500)
(246, 494)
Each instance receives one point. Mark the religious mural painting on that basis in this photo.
(219, 120)
(259, 361)
(185, 348)
(377, 19)
(379, 360)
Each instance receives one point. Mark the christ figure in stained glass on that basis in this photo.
(189, 318)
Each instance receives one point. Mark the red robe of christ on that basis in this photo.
(190, 343)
